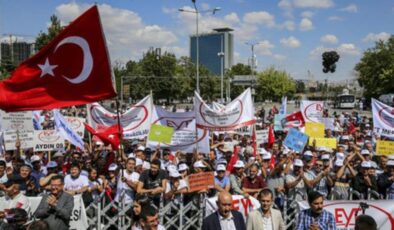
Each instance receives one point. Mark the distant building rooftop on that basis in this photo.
(224, 29)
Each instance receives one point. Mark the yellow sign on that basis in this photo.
(324, 142)
(161, 133)
(313, 129)
(384, 147)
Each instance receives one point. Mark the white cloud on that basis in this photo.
(285, 4)
(371, 37)
(306, 24)
(345, 49)
(291, 42)
(264, 48)
(288, 25)
(279, 57)
(127, 36)
(169, 10)
(352, 8)
(232, 18)
(335, 18)
(329, 38)
(260, 18)
(307, 14)
(313, 3)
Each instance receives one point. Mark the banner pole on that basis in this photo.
(119, 129)
(90, 123)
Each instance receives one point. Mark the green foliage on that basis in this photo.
(376, 69)
(238, 69)
(273, 84)
(300, 86)
(53, 30)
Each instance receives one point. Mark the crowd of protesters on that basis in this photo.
(144, 176)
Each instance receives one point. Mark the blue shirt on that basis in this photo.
(325, 220)
(222, 183)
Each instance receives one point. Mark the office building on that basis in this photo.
(16, 52)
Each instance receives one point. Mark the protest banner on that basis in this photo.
(76, 124)
(184, 136)
(278, 122)
(314, 129)
(384, 147)
(324, 142)
(345, 212)
(26, 139)
(78, 219)
(16, 121)
(47, 140)
(160, 133)
(236, 114)
(201, 181)
(240, 203)
(64, 129)
(295, 140)
(135, 121)
(383, 119)
(328, 123)
(261, 136)
(312, 110)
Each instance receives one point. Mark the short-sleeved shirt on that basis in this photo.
(75, 184)
(300, 187)
(129, 192)
(257, 184)
(152, 181)
(222, 182)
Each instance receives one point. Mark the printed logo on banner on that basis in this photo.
(310, 111)
(48, 136)
(228, 116)
(386, 115)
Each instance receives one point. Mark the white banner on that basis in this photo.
(345, 211)
(78, 220)
(236, 114)
(64, 129)
(25, 137)
(76, 124)
(16, 121)
(283, 106)
(184, 137)
(328, 123)
(135, 121)
(217, 106)
(261, 136)
(312, 111)
(47, 140)
(240, 203)
(383, 118)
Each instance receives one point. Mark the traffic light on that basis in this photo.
(329, 60)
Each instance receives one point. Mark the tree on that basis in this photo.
(300, 86)
(238, 69)
(376, 69)
(274, 84)
(53, 30)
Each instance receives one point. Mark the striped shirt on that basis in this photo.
(325, 220)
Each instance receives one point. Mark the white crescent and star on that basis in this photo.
(47, 68)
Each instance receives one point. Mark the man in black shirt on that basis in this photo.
(153, 182)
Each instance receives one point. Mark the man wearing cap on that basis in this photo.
(313, 174)
(29, 184)
(38, 171)
(363, 180)
(175, 187)
(236, 178)
(127, 183)
(51, 172)
(386, 181)
(296, 181)
(14, 198)
(222, 182)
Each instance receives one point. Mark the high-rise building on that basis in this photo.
(15, 53)
(210, 45)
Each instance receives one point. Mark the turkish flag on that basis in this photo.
(271, 136)
(73, 69)
(111, 135)
(293, 120)
(233, 160)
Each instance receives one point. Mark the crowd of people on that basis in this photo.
(145, 177)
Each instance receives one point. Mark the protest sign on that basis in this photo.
(236, 114)
(64, 129)
(16, 121)
(240, 203)
(314, 129)
(76, 124)
(328, 123)
(261, 136)
(384, 147)
(160, 133)
(201, 181)
(78, 219)
(26, 139)
(295, 140)
(345, 212)
(324, 142)
(383, 119)
(312, 110)
(278, 122)
(47, 140)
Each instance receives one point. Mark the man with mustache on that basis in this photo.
(315, 218)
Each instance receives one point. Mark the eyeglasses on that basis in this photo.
(319, 165)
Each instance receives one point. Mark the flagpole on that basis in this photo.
(119, 129)
(90, 123)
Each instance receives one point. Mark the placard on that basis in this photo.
(47, 140)
(324, 142)
(295, 140)
(17, 120)
(261, 136)
(201, 181)
(384, 147)
(313, 129)
(25, 137)
(76, 124)
(161, 133)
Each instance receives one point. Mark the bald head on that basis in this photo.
(225, 204)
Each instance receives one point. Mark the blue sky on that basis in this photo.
(291, 34)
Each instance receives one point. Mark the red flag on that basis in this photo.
(108, 136)
(271, 136)
(233, 160)
(254, 143)
(293, 120)
(272, 162)
(72, 69)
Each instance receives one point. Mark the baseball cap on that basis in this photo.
(267, 156)
(112, 167)
(139, 162)
(174, 174)
(35, 158)
(262, 151)
(390, 163)
(220, 167)
(325, 157)
(140, 148)
(391, 157)
(145, 165)
(364, 152)
(239, 164)
(135, 142)
(299, 163)
(182, 167)
(131, 155)
(52, 164)
(308, 153)
(57, 154)
(198, 164)
(345, 137)
(366, 164)
(285, 151)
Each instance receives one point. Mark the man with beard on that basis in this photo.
(315, 218)
(56, 208)
(265, 217)
(75, 183)
(253, 183)
(224, 218)
(127, 183)
(153, 182)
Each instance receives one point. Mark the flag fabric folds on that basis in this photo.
(66, 131)
(108, 136)
(73, 69)
(293, 120)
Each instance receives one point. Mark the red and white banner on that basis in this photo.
(345, 211)
(312, 111)
(383, 118)
(240, 203)
(184, 137)
(236, 114)
(135, 121)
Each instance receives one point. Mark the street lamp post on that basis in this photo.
(196, 11)
(221, 55)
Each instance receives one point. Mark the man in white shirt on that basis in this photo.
(14, 198)
(127, 183)
(75, 183)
